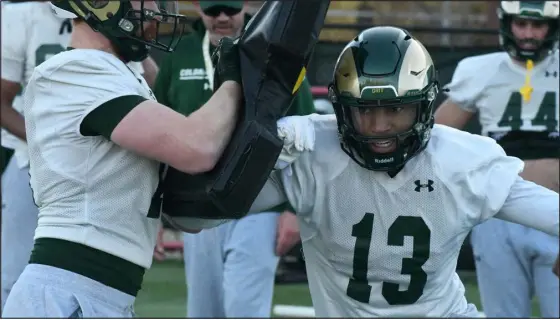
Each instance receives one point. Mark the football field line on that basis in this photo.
(289, 311)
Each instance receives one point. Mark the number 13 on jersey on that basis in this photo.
(415, 227)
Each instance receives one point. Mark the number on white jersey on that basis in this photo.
(46, 51)
(546, 115)
(415, 227)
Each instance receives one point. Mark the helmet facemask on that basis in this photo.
(405, 143)
(150, 23)
(133, 27)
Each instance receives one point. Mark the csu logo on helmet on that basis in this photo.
(378, 93)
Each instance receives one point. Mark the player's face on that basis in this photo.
(150, 27)
(222, 21)
(384, 121)
(529, 33)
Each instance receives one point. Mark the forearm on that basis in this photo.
(533, 206)
(12, 121)
(214, 122)
(190, 144)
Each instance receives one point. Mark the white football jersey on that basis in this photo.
(490, 84)
(377, 246)
(88, 189)
(31, 34)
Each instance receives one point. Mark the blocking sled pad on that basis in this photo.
(275, 49)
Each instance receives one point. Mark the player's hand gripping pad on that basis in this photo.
(274, 49)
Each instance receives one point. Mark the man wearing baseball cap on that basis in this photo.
(230, 270)
(204, 5)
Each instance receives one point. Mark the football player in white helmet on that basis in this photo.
(96, 138)
(31, 34)
(386, 198)
(515, 93)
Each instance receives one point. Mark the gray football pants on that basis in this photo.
(19, 221)
(47, 292)
(230, 269)
(514, 263)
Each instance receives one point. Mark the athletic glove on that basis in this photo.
(226, 61)
(298, 134)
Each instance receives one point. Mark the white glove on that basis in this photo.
(298, 134)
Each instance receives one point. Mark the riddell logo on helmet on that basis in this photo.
(386, 160)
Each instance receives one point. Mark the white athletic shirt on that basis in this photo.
(31, 34)
(377, 246)
(490, 84)
(88, 189)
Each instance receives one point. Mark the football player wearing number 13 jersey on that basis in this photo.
(515, 93)
(386, 198)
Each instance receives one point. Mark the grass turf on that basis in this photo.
(164, 293)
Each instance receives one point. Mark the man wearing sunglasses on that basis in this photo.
(230, 269)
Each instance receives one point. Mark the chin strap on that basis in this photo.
(527, 89)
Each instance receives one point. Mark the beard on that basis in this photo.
(218, 31)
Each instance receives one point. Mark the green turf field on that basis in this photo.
(164, 296)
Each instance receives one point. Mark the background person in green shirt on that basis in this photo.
(230, 270)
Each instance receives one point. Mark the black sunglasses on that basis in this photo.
(217, 10)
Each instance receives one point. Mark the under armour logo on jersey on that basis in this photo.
(551, 74)
(419, 185)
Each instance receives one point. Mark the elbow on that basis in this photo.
(206, 160)
(187, 151)
(200, 159)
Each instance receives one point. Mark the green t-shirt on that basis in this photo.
(182, 84)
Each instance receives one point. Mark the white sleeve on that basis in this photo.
(483, 189)
(465, 89)
(293, 180)
(63, 94)
(271, 195)
(533, 206)
(14, 43)
(91, 82)
(298, 182)
(294, 184)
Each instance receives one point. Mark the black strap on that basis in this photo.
(155, 206)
